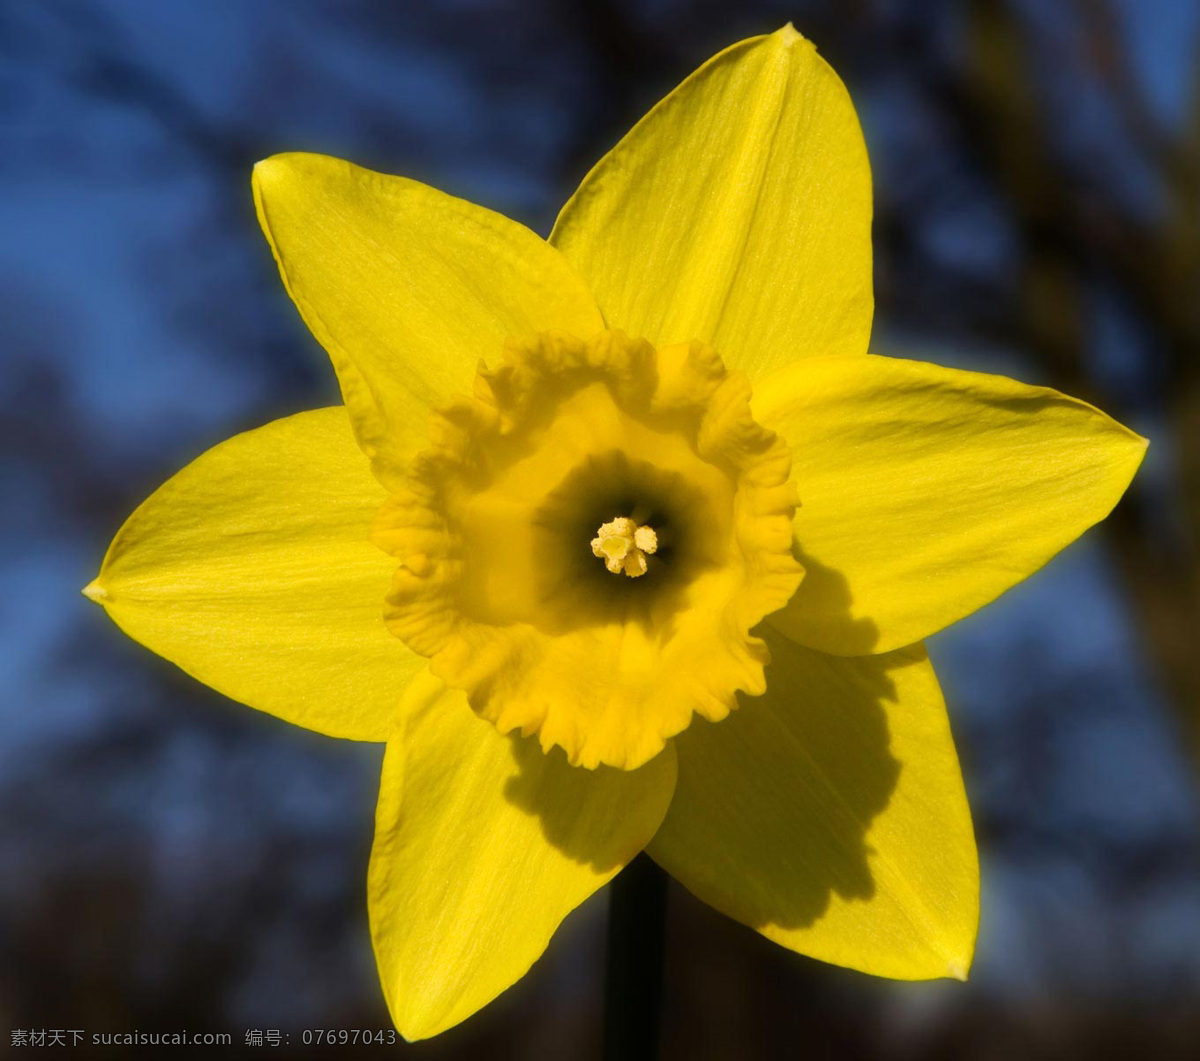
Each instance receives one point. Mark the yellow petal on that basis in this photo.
(926, 492)
(830, 815)
(737, 212)
(407, 289)
(252, 571)
(483, 844)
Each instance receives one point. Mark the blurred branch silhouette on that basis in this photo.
(108, 67)
(1073, 238)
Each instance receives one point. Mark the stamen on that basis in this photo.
(623, 546)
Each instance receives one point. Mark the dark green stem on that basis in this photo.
(633, 980)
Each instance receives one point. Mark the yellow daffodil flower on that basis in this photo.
(585, 491)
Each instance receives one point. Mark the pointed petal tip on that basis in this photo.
(788, 37)
(959, 970)
(1134, 455)
(420, 1023)
(410, 1034)
(413, 1030)
(95, 592)
(409, 1028)
(265, 168)
(276, 166)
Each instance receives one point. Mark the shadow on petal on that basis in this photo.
(601, 817)
(774, 803)
(826, 591)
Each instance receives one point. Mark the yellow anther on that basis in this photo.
(623, 546)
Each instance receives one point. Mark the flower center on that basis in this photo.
(624, 546)
(659, 451)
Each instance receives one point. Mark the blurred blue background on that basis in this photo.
(171, 860)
